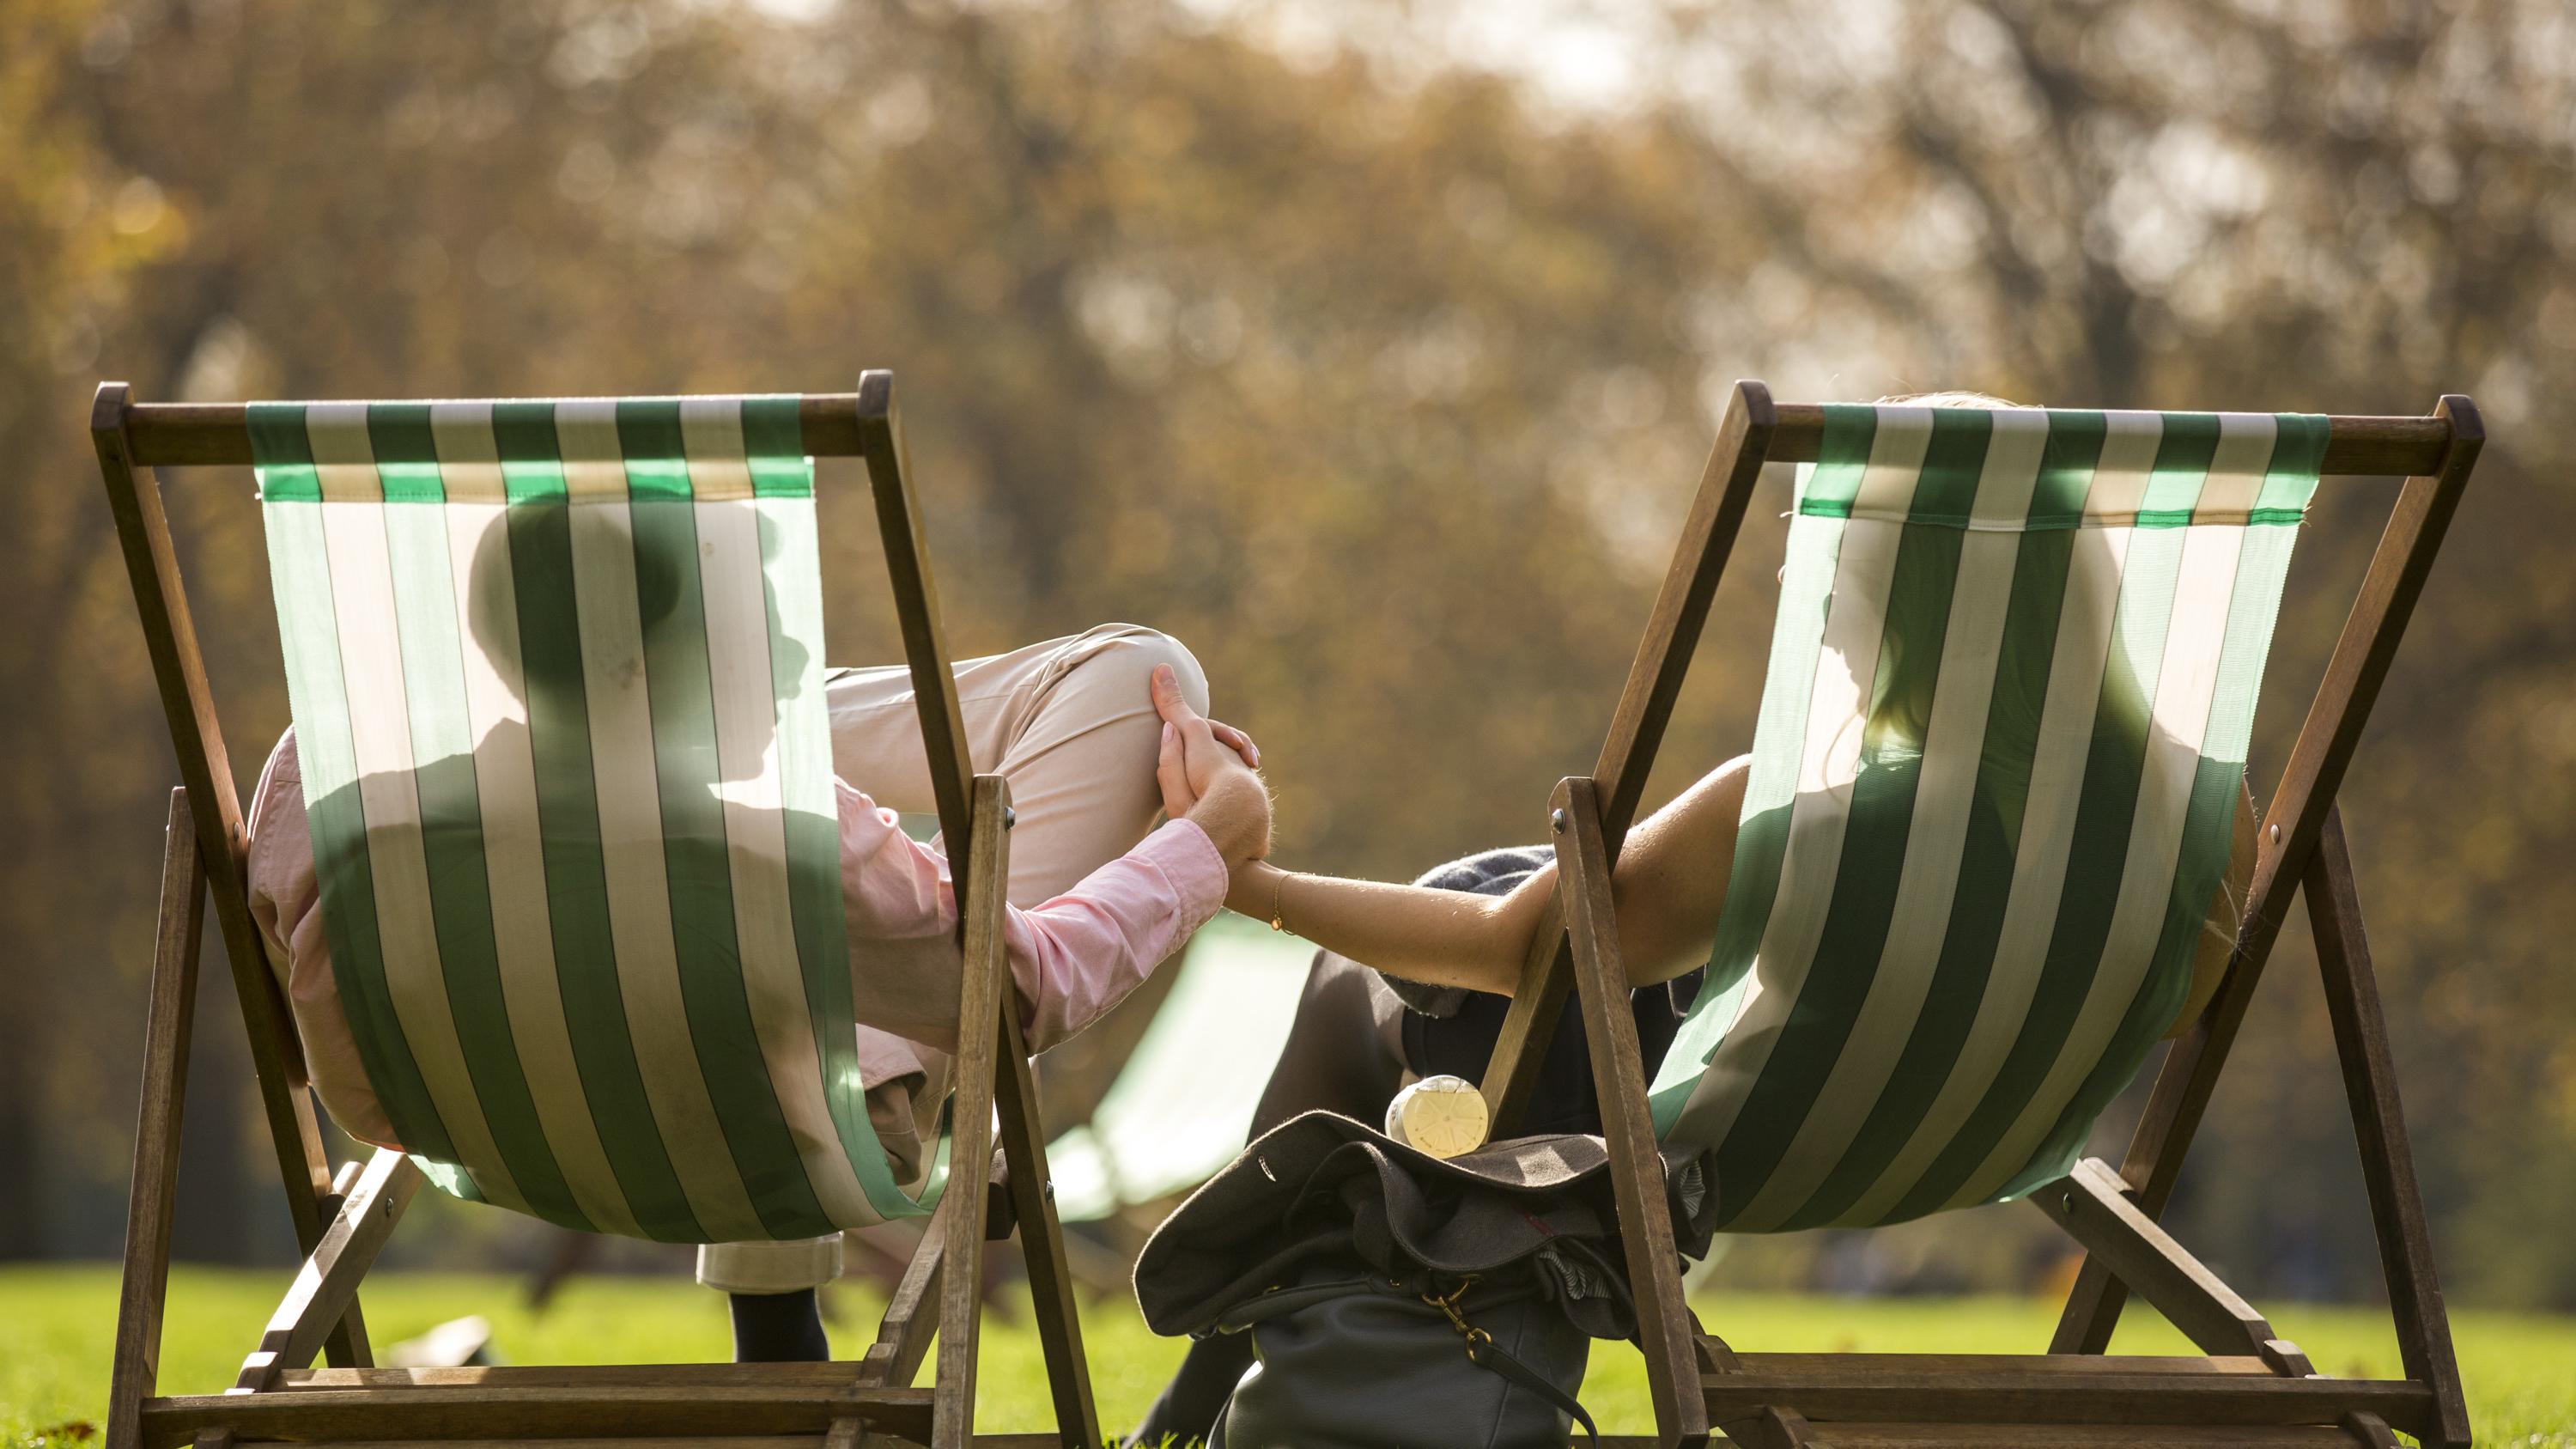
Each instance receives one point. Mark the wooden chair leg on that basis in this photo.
(1042, 1239)
(2379, 1128)
(1619, 1080)
(984, 995)
(911, 1316)
(169, 636)
(2318, 759)
(328, 1282)
(974, 812)
(1637, 728)
(152, 1195)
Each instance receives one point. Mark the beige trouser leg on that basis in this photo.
(1071, 725)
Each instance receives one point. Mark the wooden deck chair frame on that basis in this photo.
(2252, 1382)
(342, 1219)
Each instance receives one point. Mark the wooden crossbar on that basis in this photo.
(2092, 1204)
(1970, 1388)
(515, 1413)
(174, 434)
(2356, 446)
(328, 1282)
(167, 435)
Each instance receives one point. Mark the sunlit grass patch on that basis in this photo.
(56, 1325)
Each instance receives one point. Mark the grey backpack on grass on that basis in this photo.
(1397, 1299)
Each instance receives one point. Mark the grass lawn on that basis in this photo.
(56, 1325)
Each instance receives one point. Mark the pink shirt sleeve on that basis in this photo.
(285, 901)
(1071, 958)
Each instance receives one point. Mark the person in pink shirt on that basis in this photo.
(1098, 734)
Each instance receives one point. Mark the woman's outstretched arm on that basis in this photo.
(1441, 938)
(1667, 889)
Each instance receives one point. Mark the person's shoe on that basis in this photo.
(779, 1328)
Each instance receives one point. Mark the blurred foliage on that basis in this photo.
(1381, 379)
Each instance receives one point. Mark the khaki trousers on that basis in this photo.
(1071, 724)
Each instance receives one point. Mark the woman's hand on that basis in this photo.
(1207, 776)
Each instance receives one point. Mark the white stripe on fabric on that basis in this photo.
(752, 789)
(1944, 798)
(630, 822)
(1796, 642)
(2046, 822)
(354, 529)
(505, 782)
(1896, 451)
(1829, 762)
(794, 569)
(2127, 465)
(792, 572)
(2014, 451)
(711, 434)
(2236, 468)
(2185, 681)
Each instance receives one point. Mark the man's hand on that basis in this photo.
(1207, 775)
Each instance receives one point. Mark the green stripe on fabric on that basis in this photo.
(1842, 458)
(680, 687)
(2298, 454)
(773, 440)
(1988, 855)
(1770, 796)
(524, 432)
(2114, 762)
(1945, 492)
(1872, 859)
(2189, 441)
(792, 581)
(406, 452)
(281, 454)
(451, 815)
(336, 818)
(2262, 568)
(2066, 473)
(648, 434)
(540, 532)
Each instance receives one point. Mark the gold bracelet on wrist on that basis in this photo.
(1277, 888)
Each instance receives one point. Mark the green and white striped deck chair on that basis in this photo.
(2000, 752)
(556, 670)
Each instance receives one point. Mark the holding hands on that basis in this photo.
(1209, 774)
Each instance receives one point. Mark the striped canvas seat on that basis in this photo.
(2000, 747)
(556, 671)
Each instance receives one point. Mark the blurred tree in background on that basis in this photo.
(1335, 340)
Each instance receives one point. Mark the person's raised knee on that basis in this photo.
(1122, 658)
